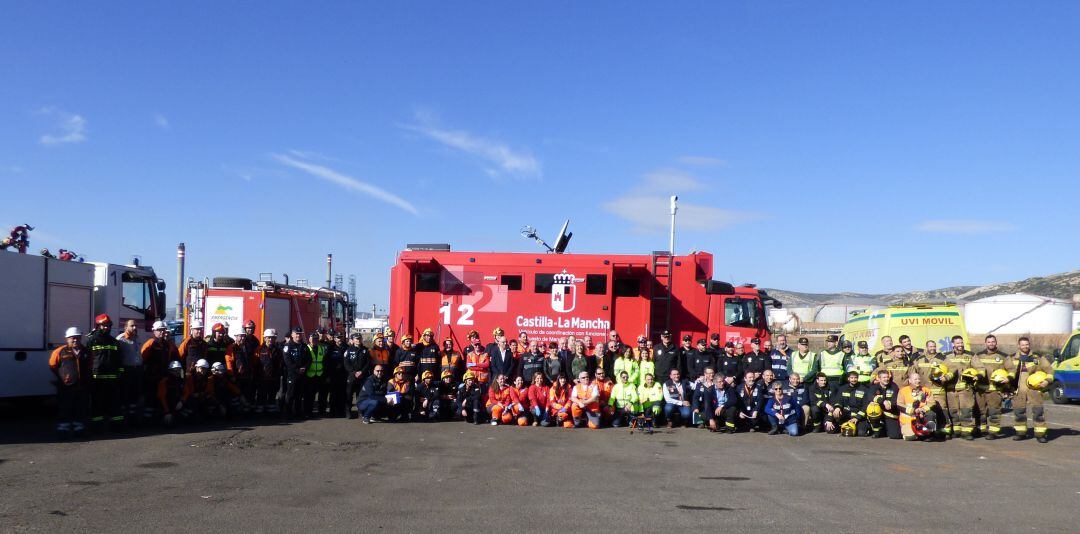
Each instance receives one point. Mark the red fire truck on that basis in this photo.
(550, 296)
(270, 304)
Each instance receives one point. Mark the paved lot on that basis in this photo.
(338, 475)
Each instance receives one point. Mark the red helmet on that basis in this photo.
(218, 327)
(249, 324)
(103, 319)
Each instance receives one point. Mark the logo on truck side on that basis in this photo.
(563, 293)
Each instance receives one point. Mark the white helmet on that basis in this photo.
(218, 368)
(160, 325)
(175, 365)
(270, 332)
(73, 332)
(195, 324)
(203, 364)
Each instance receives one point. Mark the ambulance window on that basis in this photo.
(596, 284)
(427, 282)
(511, 281)
(626, 287)
(543, 282)
(1072, 349)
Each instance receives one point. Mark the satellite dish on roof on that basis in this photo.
(563, 239)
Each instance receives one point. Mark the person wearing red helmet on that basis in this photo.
(107, 395)
(251, 341)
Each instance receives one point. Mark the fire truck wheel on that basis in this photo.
(228, 281)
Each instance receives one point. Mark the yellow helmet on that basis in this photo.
(1000, 376)
(849, 428)
(873, 410)
(1035, 380)
(970, 374)
(938, 372)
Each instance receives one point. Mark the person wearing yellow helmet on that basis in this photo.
(428, 405)
(959, 388)
(402, 409)
(1023, 365)
(932, 366)
(407, 357)
(469, 401)
(882, 411)
(988, 391)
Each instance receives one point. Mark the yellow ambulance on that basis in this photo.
(923, 322)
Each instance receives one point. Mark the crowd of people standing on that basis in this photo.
(900, 392)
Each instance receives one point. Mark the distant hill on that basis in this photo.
(1061, 285)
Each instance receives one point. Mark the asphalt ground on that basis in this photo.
(336, 475)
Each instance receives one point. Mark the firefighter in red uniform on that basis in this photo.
(194, 347)
(71, 363)
(198, 398)
(519, 395)
(169, 391)
(158, 353)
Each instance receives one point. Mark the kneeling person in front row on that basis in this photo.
(882, 412)
(750, 401)
(782, 412)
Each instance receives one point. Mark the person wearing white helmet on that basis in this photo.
(226, 394)
(194, 348)
(267, 364)
(197, 399)
(239, 361)
(71, 364)
(170, 390)
(158, 354)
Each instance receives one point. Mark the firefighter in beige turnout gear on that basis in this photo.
(989, 390)
(959, 389)
(1022, 365)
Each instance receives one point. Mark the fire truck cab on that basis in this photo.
(551, 296)
(234, 301)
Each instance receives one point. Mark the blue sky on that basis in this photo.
(815, 147)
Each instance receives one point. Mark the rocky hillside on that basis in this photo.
(1062, 286)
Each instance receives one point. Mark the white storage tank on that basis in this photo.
(1019, 313)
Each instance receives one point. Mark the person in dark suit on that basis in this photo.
(503, 359)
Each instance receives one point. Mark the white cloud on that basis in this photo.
(964, 226)
(72, 127)
(492, 152)
(347, 182)
(647, 206)
(671, 181)
(702, 161)
(161, 121)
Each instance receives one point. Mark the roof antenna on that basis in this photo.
(528, 232)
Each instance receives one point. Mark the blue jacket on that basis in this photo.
(790, 410)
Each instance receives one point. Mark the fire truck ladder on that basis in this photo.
(660, 297)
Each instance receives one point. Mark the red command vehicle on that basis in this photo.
(550, 296)
(270, 304)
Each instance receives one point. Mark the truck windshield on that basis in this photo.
(138, 292)
(741, 313)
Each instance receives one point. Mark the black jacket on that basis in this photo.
(752, 361)
(297, 356)
(820, 396)
(429, 357)
(553, 367)
(666, 358)
(104, 353)
(750, 400)
(849, 398)
(531, 363)
(356, 359)
(728, 366)
(880, 394)
(705, 399)
(374, 388)
(697, 361)
(502, 363)
(408, 360)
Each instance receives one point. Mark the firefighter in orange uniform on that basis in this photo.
(451, 361)
(194, 347)
(477, 360)
(158, 353)
(916, 403)
(559, 403)
(380, 352)
(71, 365)
(500, 402)
(604, 388)
(585, 403)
